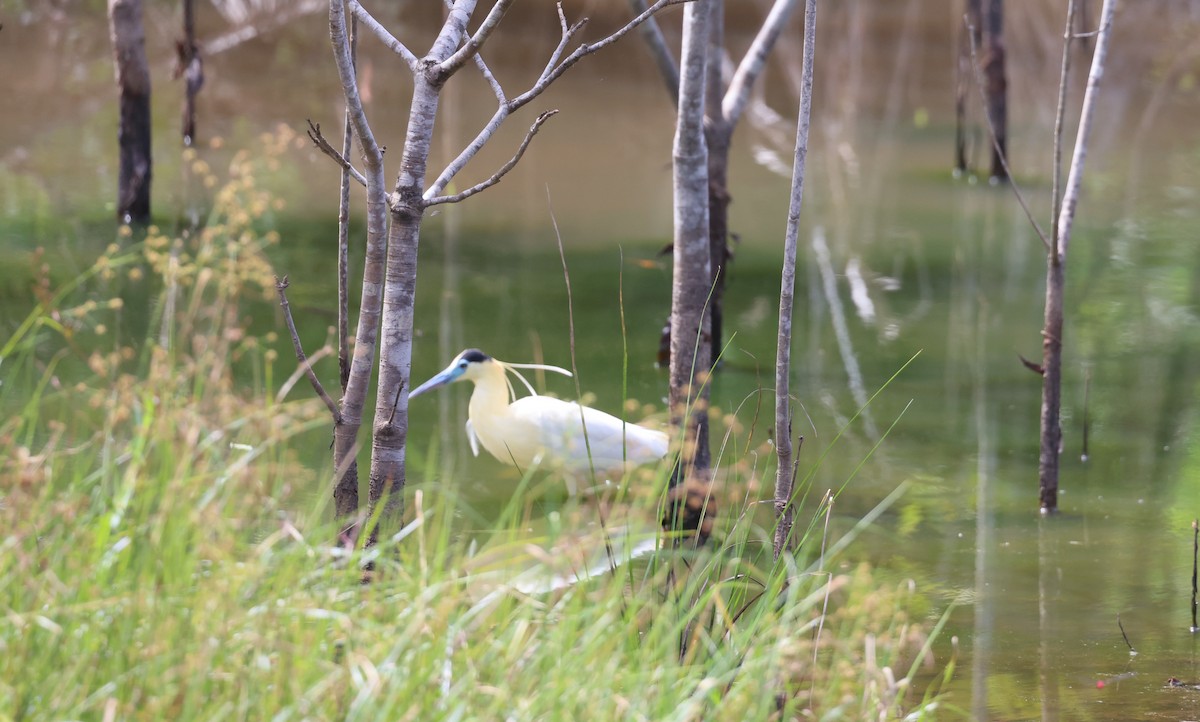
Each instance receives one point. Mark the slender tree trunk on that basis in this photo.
(962, 87)
(997, 82)
(133, 130)
(719, 137)
(399, 296)
(345, 434)
(1051, 427)
(688, 393)
(191, 66)
(718, 134)
(787, 288)
(1056, 260)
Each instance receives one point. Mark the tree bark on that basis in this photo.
(1051, 428)
(688, 390)
(345, 434)
(783, 350)
(997, 83)
(1056, 261)
(133, 130)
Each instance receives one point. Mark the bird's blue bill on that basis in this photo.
(449, 375)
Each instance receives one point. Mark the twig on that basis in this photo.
(1125, 636)
(755, 60)
(1060, 113)
(281, 289)
(979, 84)
(1087, 412)
(504, 169)
(384, 36)
(783, 503)
(314, 134)
(1195, 554)
(395, 402)
(553, 69)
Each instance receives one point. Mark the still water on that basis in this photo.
(907, 260)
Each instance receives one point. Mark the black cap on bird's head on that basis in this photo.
(453, 372)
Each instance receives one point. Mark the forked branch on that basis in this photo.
(389, 40)
(314, 134)
(554, 68)
(504, 169)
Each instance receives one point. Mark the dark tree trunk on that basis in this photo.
(996, 82)
(190, 66)
(1051, 386)
(963, 83)
(720, 254)
(133, 133)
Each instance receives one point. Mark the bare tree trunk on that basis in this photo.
(390, 269)
(962, 84)
(997, 83)
(1051, 431)
(190, 66)
(718, 134)
(345, 432)
(688, 393)
(783, 350)
(133, 130)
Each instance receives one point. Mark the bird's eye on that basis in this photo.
(463, 364)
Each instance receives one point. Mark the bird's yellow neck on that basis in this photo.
(489, 401)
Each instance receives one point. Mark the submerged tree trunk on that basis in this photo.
(1056, 260)
(997, 83)
(963, 75)
(133, 129)
(688, 393)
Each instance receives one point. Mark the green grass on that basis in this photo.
(162, 555)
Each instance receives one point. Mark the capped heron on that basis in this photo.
(539, 429)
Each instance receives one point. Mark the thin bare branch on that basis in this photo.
(552, 71)
(389, 40)
(1060, 112)
(566, 34)
(1086, 114)
(314, 134)
(979, 84)
(656, 42)
(473, 43)
(281, 289)
(344, 232)
(495, 178)
(755, 60)
(785, 474)
(349, 80)
(483, 67)
(586, 49)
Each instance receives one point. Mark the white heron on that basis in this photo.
(538, 429)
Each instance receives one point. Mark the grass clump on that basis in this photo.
(160, 557)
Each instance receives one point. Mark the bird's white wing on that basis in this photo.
(610, 442)
(472, 438)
